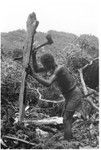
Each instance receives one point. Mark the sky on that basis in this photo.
(73, 16)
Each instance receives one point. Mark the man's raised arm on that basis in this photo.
(50, 80)
(34, 63)
(41, 80)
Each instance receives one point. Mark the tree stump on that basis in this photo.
(31, 25)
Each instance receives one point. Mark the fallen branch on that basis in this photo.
(51, 120)
(51, 101)
(19, 140)
(89, 63)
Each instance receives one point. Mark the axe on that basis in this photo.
(48, 42)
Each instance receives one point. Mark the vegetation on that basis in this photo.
(73, 51)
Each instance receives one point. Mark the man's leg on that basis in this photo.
(67, 121)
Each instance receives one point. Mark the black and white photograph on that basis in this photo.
(49, 74)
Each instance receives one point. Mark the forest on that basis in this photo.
(42, 127)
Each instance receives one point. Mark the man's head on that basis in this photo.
(48, 61)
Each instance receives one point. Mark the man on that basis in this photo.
(66, 83)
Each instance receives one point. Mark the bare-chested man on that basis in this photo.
(66, 84)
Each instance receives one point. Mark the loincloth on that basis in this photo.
(73, 100)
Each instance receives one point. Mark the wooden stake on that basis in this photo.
(31, 25)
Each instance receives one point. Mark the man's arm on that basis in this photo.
(35, 65)
(44, 81)
(50, 80)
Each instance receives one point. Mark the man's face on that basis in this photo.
(48, 66)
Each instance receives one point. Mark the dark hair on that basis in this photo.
(48, 60)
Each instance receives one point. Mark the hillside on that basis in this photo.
(62, 42)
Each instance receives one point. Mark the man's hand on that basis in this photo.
(28, 70)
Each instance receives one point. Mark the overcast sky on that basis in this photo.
(73, 16)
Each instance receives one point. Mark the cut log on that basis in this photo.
(51, 120)
(32, 24)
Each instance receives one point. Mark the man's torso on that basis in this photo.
(65, 80)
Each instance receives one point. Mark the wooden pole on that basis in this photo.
(31, 25)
